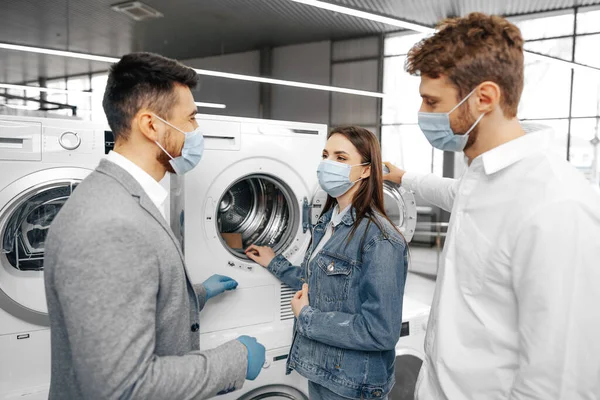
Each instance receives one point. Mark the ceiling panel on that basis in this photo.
(200, 28)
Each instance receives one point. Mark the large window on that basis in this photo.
(567, 101)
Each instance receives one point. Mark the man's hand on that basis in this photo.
(217, 284)
(300, 300)
(395, 174)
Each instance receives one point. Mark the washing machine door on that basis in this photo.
(408, 365)
(27, 208)
(400, 207)
(274, 392)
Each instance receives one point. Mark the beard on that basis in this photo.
(171, 148)
(463, 123)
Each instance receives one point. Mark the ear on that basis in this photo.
(366, 173)
(147, 124)
(487, 97)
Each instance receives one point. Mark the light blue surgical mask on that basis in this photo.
(334, 177)
(437, 130)
(191, 153)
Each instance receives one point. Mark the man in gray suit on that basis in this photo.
(123, 312)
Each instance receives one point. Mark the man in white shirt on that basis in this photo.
(515, 313)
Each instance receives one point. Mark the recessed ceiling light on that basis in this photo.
(137, 10)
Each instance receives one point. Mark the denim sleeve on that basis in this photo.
(377, 326)
(289, 274)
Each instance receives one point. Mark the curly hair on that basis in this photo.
(470, 51)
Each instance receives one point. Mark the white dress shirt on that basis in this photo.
(516, 313)
(153, 189)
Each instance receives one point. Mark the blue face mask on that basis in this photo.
(436, 127)
(334, 177)
(191, 153)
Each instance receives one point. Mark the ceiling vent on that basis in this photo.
(137, 10)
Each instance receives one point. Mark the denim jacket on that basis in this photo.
(345, 339)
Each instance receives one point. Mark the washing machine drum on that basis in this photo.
(407, 372)
(27, 224)
(259, 210)
(274, 392)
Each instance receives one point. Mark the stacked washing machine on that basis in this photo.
(41, 163)
(256, 184)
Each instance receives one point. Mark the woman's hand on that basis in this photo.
(262, 255)
(300, 300)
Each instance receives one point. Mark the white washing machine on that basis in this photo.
(410, 350)
(41, 162)
(256, 184)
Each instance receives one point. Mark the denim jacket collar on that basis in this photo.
(348, 219)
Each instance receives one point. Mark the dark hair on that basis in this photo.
(472, 50)
(142, 80)
(368, 199)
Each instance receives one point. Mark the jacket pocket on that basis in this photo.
(333, 280)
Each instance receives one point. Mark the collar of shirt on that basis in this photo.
(338, 216)
(153, 189)
(503, 156)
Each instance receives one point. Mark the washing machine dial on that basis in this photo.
(69, 140)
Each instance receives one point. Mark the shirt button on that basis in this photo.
(195, 327)
(377, 393)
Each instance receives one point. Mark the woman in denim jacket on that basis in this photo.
(349, 305)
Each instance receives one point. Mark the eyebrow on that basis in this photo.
(429, 97)
(336, 152)
(193, 113)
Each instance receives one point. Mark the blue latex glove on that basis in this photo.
(217, 284)
(256, 356)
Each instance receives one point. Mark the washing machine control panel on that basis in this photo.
(240, 265)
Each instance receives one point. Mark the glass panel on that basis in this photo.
(587, 20)
(561, 48)
(400, 44)
(583, 153)
(83, 101)
(406, 147)
(547, 91)
(540, 27)
(98, 87)
(586, 94)
(586, 50)
(560, 127)
(25, 234)
(402, 102)
(57, 97)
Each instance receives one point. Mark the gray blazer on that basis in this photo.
(123, 312)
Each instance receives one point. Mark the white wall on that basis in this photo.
(304, 63)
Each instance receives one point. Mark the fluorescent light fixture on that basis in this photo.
(60, 53)
(206, 72)
(42, 89)
(210, 105)
(366, 15)
(426, 29)
(272, 81)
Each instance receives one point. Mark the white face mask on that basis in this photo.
(334, 177)
(191, 154)
(437, 130)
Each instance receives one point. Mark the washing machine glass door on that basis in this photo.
(407, 371)
(274, 392)
(27, 208)
(257, 209)
(401, 208)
